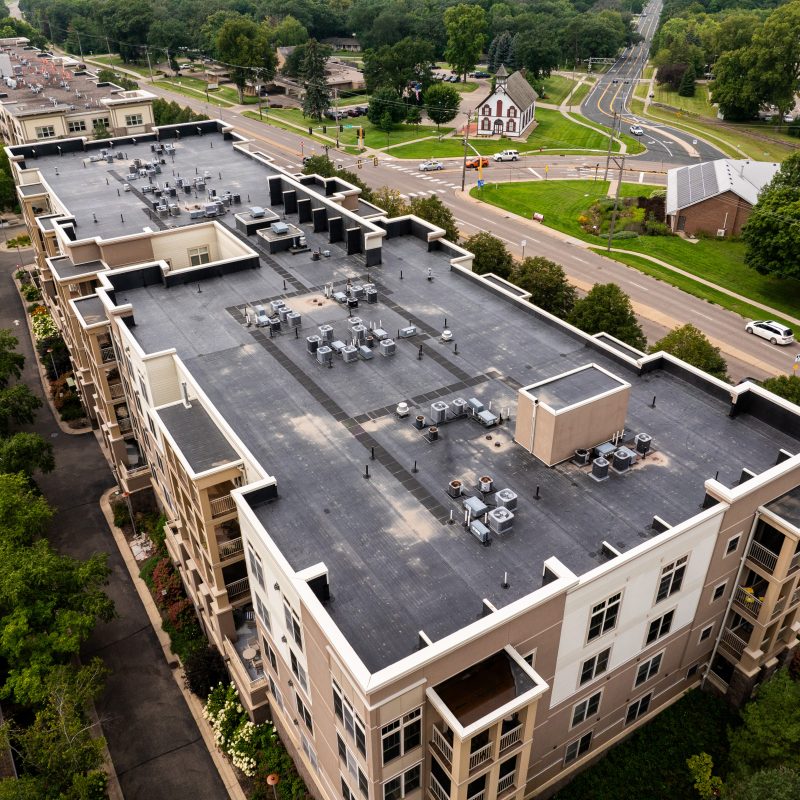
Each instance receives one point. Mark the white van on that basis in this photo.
(507, 155)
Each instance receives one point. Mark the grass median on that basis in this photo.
(718, 261)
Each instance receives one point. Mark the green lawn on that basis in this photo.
(464, 88)
(228, 93)
(633, 144)
(556, 88)
(721, 262)
(699, 104)
(116, 61)
(580, 94)
(196, 94)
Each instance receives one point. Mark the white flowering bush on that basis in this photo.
(43, 326)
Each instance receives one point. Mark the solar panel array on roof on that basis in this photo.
(696, 183)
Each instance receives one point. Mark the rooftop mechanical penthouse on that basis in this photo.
(455, 547)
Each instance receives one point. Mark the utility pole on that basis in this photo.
(610, 142)
(336, 114)
(80, 46)
(466, 145)
(149, 65)
(619, 161)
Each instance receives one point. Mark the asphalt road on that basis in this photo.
(612, 93)
(154, 742)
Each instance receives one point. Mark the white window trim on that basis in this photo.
(591, 614)
(576, 743)
(585, 702)
(701, 638)
(727, 553)
(670, 570)
(648, 662)
(724, 584)
(402, 776)
(658, 619)
(595, 674)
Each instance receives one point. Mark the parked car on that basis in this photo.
(477, 161)
(431, 165)
(771, 330)
(636, 130)
(482, 75)
(506, 155)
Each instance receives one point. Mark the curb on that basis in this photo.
(224, 768)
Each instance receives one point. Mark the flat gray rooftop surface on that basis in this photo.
(197, 436)
(91, 309)
(787, 506)
(66, 269)
(395, 564)
(566, 390)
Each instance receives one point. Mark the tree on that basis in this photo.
(546, 281)
(386, 124)
(26, 452)
(18, 405)
(442, 102)
(769, 736)
(11, 362)
(772, 232)
(244, 46)
(386, 100)
(433, 210)
(290, 32)
(491, 255)
(779, 783)
(318, 97)
(399, 66)
(708, 785)
(24, 514)
(687, 85)
(390, 201)
(691, 345)
(607, 309)
(737, 95)
(203, 670)
(413, 115)
(785, 386)
(466, 34)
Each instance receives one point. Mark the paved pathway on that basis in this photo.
(153, 740)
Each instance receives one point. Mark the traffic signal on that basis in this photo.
(310, 131)
(324, 128)
(360, 163)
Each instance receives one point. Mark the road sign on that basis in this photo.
(480, 183)
(797, 359)
(349, 126)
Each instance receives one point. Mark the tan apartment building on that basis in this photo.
(45, 97)
(454, 547)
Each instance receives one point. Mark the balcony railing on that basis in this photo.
(480, 756)
(107, 354)
(444, 747)
(132, 472)
(505, 783)
(733, 642)
(116, 390)
(230, 548)
(511, 738)
(238, 588)
(763, 556)
(437, 790)
(222, 505)
(748, 601)
(479, 796)
(794, 564)
(125, 424)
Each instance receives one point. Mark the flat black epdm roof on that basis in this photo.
(567, 390)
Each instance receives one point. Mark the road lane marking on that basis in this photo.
(641, 177)
(534, 172)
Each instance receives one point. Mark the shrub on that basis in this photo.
(22, 275)
(654, 228)
(146, 570)
(32, 308)
(30, 291)
(167, 587)
(72, 409)
(181, 614)
(625, 235)
(204, 669)
(120, 511)
(43, 326)
(186, 641)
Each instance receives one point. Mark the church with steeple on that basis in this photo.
(510, 109)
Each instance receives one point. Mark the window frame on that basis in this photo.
(262, 611)
(199, 253)
(586, 708)
(645, 671)
(705, 633)
(671, 579)
(403, 777)
(576, 749)
(732, 545)
(132, 120)
(719, 591)
(304, 712)
(276, 693)
(256, 566)
(298, 670)
(343, 708)
(655, 629)
(595, 671)
(400, 727)
(44, 132)
(601, 610)
(631, 715)
(292, 621)
(76, 125)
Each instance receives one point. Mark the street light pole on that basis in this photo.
(466, 145)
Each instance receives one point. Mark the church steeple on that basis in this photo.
(502, 77)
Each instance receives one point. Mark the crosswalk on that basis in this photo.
(413, 172)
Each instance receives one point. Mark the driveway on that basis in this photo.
(152, 737)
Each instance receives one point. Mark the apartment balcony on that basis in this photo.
(220, 506)
(763, 556)
(115, 391)
(505, 784)
(442, 744)
(480, 756)
(734, 644)
(238, 590)
(511, 738)
(794, 564)
(135, 478)
(437, 790)
(107, 354)
(481, 795)
(745, 598)
(125, 425)
(234, 548)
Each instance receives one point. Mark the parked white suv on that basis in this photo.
(507, 155)
(771, 330)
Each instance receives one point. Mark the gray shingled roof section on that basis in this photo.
(520, 91)
(502, 72)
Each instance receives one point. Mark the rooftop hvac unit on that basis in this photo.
(475, 405)
(312, 344)
(365, 352)
(388, 347)
(408, 331)
(643, 443)
(261, 316)
(277, 305)
(479, 531)
(459, 407)
(604, 450)
(501, 520)
(600, 469)
(337, 345)
(353, 321)
(380, 333)
(623, 458)
(357, 291)
(324, 354)
(283, 313)
(352, 302)
(326, 333)
(274, 324)
(582, 456)
(486, 418)
(439, 412)
(349, 354)
(294, 319)
(279, 228)
(475, 506)
(371, 295)
(359, 334)
(506, 498)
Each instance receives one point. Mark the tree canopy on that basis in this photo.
(442, 102)
(491, 255)
(607, 309)
(466, 33)
(433, 210)
(786, 386)
(245, 47)
(546, 281)
(692, 346)
(318, 97)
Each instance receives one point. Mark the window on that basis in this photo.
(403, 784)
(530, 659)
(733, 544)
(262, 612)
(402, 735)
(76, 126)
(273, 662)
(298, 671)
(198, 255)
(706, 632)
(349, 760)
(100, 122)
(671, 579)
(594, 666)
(304, 713)
(511, 126)
(578, 747)
(487, 111)
(134, 119)
(639, 708)
(346, 793)
(486, 125)
(648, 669)
(585, 709)
(604, 616)
(718, 591)
(276, 693)
(255, 567)
(692, 671)
(45, 132)
(349, 718)
(660, 627)
(292, 623)
(512, 111)
(309, 751)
